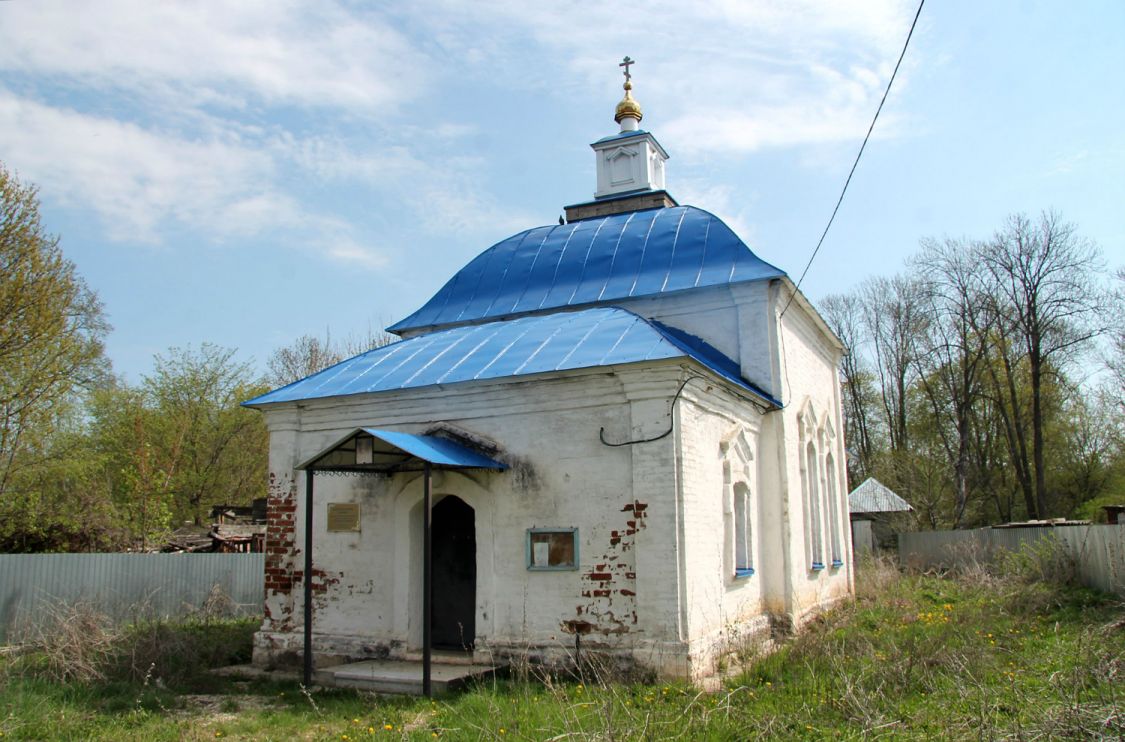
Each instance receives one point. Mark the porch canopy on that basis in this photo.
(371, 451)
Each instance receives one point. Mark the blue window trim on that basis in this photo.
(743, 573)
(836, 564)
(560, 568)
(817, 566)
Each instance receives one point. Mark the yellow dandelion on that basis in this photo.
(388, 727)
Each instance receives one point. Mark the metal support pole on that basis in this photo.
(427, 583)
(308, 575)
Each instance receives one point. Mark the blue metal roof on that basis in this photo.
(439, 451)
(600, 336)
(394, 451)
(593, 261)
(624, 135)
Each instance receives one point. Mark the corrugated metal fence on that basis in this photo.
(128, 585)
(1098, 551)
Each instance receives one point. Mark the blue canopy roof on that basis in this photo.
(393, 451)
(594, 261)
(600, 336)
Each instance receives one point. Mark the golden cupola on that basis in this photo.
(628, 107)
(628, 112)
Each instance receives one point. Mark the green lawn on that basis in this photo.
(916, 657)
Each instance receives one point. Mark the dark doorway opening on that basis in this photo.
(454, 574)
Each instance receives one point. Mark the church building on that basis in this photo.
(627, 425)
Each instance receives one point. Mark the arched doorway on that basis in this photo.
(454, 574)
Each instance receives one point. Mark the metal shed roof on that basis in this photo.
(875, 497)
(393, 451)
(640, 253)
(601, 336)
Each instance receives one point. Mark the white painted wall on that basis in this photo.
(561, 476)
(658, 587)
(629, 164)
(809, 358)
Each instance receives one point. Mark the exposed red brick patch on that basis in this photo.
(610, 586)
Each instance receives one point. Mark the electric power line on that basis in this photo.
(858, 155)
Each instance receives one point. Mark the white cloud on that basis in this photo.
(191, 113)
(346, 250)
(133, 178)
(720, 200)
(715, 76)
(442, 191)
(216, 52)
(140, 182)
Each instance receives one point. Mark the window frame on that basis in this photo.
(528, 560)
(743, 532)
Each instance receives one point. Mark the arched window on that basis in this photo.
(833, 511)
(814, 521)
(743, 532)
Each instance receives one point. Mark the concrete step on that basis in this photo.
(442, 657)
(401, 677)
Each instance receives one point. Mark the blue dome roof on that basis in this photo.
(594, 261)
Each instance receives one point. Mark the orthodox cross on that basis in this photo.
(626, 64)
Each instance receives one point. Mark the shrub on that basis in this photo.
(77, 642)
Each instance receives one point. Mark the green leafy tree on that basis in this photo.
(51, 330)
(199, 447)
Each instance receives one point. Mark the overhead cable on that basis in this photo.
(857, 157)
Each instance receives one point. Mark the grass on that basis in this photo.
(970, 656)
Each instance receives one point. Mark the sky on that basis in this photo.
(247, 173)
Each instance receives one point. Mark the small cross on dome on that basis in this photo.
(625, 63)
(628, 112)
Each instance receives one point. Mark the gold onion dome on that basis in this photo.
(628, 107)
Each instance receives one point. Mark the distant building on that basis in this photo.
(871, 507)
(633, 432)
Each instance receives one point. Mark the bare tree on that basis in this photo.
(844, 314)
(1047, 302)
(953, 351)
(303, 357)
(1115, 359)
(308, 354)
(894, 316)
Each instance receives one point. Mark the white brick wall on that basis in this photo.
(655, 576)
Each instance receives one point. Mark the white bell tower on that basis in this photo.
(631, 160)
